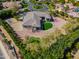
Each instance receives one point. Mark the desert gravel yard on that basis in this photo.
(25, 32)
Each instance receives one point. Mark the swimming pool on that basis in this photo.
(76, 10)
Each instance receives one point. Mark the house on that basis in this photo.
(11, 4)
(33, 19)
(70, 5)
(59, 7)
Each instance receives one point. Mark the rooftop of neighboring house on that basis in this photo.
(11, 4)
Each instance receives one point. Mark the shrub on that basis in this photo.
(47, 25)
(6, 14)
(68, 55)
(77, 45)
(33, 40)
(26, 10)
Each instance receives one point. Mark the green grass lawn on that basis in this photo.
(47, 25)
(37, 7)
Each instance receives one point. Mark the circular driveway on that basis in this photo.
(31, 7)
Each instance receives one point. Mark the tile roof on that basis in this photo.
(31, 19)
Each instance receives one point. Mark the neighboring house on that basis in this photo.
(33, 19)
(59, 7)
(26, 1)
(71, 6)
(11, 4)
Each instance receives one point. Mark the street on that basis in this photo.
(3, 51)
(10, 39)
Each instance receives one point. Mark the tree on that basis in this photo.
(77, 45)
(68, 56)
(1, 7)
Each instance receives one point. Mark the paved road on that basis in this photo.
(9, 38)
(3, 52)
